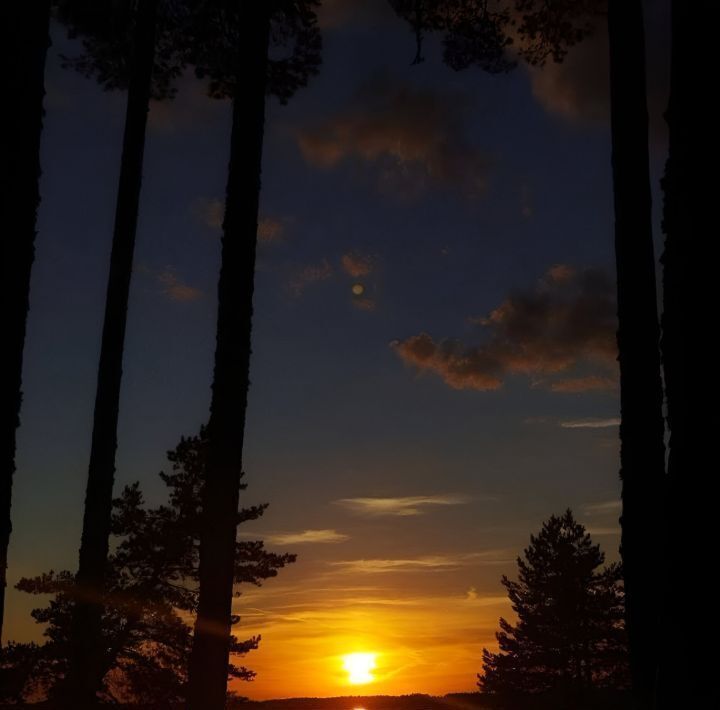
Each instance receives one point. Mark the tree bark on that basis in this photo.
(691, 302)
(86, 660)
(27, 45)
(642, 452)
(211, 642)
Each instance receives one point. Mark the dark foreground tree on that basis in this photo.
(150, 597)
(127, 45)
(26, 43)
(233, 38)
(642, 426)
(569, 637)
(691, 303)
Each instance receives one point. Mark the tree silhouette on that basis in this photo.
(26, 46)
(546, 30)
(123, 49)
(474, 31)
(569, 637)
(230, 47)
(690, 304)
(151, 589)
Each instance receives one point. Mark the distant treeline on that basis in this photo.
(600, 700)
(618, 700)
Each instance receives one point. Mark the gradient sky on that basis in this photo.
(409, 433)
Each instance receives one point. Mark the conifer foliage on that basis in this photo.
(150, 598)
(569, 637)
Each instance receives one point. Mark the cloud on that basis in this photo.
(336, 14)
(405, 506)
(307, 536)
(610, 506)
(309, 275)
(604, 531)
(357, 265)
(591, 423)
(578, 88)
(209, 211)
(425, 563)
(413, 138)
(270, 230)
(565, 323)
(176, 289)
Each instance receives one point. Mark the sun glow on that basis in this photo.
(359, 667)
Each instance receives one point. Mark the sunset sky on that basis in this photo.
(433, 369)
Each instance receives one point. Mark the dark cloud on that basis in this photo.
(414, 139)
(551, 334)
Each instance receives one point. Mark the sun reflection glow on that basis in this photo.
(359, 667)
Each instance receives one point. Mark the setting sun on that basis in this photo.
(359, 667)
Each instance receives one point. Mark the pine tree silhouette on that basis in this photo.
(151, 588)
(569, 636)
(122, 49)
(231, 49)
(26, 46)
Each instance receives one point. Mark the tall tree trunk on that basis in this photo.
(27, 45)
(691, 303)
(642, 452)
(86, 660)
(210, 651)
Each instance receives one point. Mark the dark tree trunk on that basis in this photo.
(691, 303)
(27, 42)
(642, 452)
(84, 677)
(210, 651)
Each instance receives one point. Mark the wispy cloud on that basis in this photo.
(307, 536)
(604, 531)
(549, 333)
(426, 563)
(402, 506)
(610, 506)
(590, 423)
(309, 275)
(175, 288)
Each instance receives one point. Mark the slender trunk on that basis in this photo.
(84, 676)
(642, 452)
(691, 302)
(210, 651)
(27, 23)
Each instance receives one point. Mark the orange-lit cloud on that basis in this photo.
(568, 321)
(413, 138)
(210, 211)
(402, 506)
(307, 536)
(578, 88)
(270, 230)
(425, 563)
(609, 506)
(175, 289)
(309, 275)
(357, 265)
(591, 423)
(333, 14)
